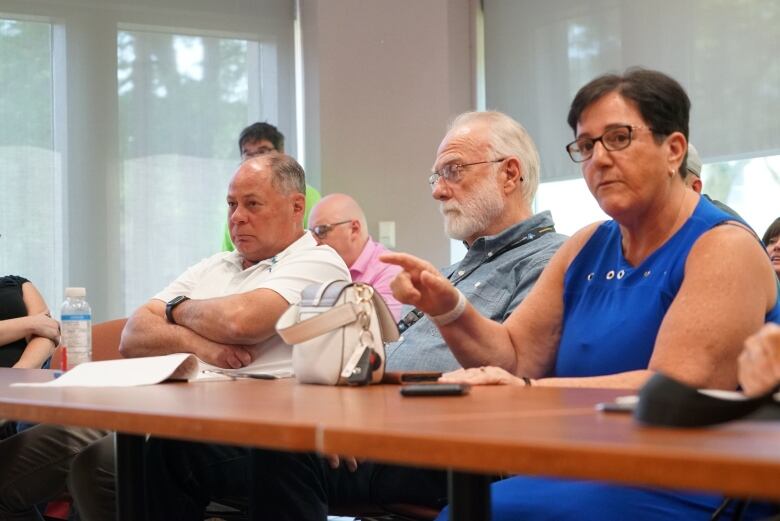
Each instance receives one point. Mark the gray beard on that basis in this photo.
(471, 218)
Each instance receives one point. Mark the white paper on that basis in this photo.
(126, 372)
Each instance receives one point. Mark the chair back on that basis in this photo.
(105, 342)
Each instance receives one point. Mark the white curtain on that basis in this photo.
(538, 54)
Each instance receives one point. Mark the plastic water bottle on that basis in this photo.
(76, 317)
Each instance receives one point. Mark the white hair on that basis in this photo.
(509, 138)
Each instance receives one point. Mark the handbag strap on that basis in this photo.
(294, 332)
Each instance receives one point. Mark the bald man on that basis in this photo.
(338, 221)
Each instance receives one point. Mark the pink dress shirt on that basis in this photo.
(369, 269)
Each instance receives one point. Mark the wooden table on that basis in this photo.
(501, 429)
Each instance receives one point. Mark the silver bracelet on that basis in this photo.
(452, 315)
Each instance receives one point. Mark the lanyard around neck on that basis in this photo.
(522, 241)
(414, 315)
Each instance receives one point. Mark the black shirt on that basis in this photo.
(12, 306)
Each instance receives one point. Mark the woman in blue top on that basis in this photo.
(614, 304)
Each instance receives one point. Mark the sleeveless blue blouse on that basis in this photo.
(612, 310)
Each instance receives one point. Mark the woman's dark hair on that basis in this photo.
(260, 131)
(661, 100)
(771, 232)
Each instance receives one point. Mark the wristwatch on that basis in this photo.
(175, 301)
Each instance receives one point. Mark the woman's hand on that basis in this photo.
(41, 324)
(759, 363)
(481, 376)
(421, 285)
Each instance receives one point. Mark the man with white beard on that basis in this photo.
(485, 179)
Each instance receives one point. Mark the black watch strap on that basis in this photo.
(175, 301)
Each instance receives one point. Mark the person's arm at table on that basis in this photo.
(43, 331)
(244, 318)
(759, 363)
(525, 344)
(148, 333)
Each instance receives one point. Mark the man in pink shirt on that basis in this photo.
(338, 221)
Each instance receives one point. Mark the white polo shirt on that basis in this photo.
(287, 273)
(302, 263)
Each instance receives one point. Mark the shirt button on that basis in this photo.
(490, 254)
(476, 284)
(461, 272)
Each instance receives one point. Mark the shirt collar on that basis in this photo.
(361, 264)
(305, 241)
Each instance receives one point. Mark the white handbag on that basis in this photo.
(338, 332)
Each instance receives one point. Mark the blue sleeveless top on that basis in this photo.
(613, 311)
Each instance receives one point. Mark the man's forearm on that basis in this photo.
(148, 334)
(244, 319)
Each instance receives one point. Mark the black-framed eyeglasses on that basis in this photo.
(453, 172)
(322, 230)
(617, 138)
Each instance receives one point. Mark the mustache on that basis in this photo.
(446, 207)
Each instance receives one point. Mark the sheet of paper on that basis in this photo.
(127, 372)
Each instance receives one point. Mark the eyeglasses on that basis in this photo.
(453, 173)
(322, 230)
(617, 138)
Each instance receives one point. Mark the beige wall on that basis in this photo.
(381, 81)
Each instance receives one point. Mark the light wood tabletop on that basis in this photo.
(494, 429)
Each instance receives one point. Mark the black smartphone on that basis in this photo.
(407, 377)
(420, 376)
(435, 389)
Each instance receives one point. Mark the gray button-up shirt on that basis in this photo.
(497, 284)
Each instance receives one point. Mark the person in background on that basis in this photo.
(338, 221)
(771, 241)
(693, 167)
(759, 363)
(28, 334)
(613, 305)
(258, 139)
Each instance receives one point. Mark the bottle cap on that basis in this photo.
(75, 292)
